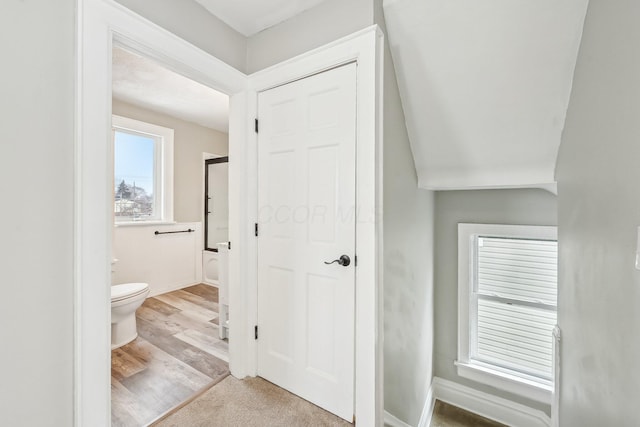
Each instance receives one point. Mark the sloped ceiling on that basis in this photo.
(251, 16)
(143, 82)
(485, 87)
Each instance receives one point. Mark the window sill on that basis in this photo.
(530, 389)
(143, 223)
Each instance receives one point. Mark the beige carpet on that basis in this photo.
(250, 402)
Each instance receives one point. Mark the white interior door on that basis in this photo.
(306, 202)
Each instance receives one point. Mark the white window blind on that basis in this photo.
(515, 295)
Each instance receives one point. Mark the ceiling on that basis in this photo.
(144, 83)
(249, 17)
(485, 87)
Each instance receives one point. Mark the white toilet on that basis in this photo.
(125, 300)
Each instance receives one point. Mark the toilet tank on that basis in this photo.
(210, 267)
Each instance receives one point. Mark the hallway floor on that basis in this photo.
(165, 377)
(255, 402)
(176, 356)
(251, 402)
(445, 415)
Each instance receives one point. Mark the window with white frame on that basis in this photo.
(507, 306)
(143, 171)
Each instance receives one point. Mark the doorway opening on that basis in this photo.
(177, 347)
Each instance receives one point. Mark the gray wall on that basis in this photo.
(599, 210)
(36, 183)
(189, 142)
(526, 207)
(313, 28)
(195, 24)
(408, 264)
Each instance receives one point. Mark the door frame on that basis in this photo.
(365, 48)
(100, 24)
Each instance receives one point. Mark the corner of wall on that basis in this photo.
(391, 420)
(408, 263)
(192, 22)
(324, 23)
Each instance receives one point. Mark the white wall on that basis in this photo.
(190, 141)
(166, 262)
(312, 28)
(527, 207)
(599, 210)
(196, 25)
(36, 183)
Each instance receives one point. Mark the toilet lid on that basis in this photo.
(127, 290)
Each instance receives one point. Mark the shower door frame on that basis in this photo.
(207, 163)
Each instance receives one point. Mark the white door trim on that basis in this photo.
(100, 23)
(364, 47)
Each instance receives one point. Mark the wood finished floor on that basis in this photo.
(177, 355)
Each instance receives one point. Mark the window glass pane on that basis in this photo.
(520, 269)
(134, 161)
(515, 337)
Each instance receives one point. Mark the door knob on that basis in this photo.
(344, 261)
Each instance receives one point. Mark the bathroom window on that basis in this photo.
(507, 306)
(143, 172)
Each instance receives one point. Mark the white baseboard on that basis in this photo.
(427, 410)
(392, 421)
(212, 283)
(425, 418)
(171, 288)
(495, 408)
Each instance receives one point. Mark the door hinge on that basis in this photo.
(256, 331)
(229, 245)
(256, 125)
(256, 229)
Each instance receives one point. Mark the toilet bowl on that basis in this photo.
(125, 300)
